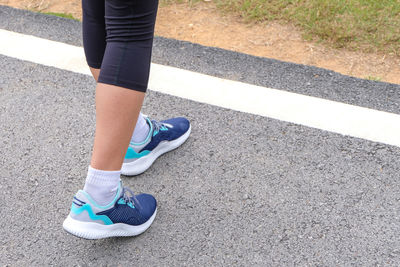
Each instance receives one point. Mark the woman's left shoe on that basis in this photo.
(163, 137)
(126, 215)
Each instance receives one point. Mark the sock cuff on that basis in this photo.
(100, 177)
(141, 131)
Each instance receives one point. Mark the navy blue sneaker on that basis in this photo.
(163, 137)
(126, 215)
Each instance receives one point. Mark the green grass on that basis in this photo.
(63, 15)
(366, 25)
(373, 78)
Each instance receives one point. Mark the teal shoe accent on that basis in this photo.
(123, 202)
(92, 216)
(132, 154)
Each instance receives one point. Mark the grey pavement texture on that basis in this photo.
(244, 190)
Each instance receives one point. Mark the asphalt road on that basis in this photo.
(244, 190)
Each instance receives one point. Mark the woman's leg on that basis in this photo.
(94, 39)
(117, 110)
(125, 65)
(95, 45)
(124, 73)
(104, 208)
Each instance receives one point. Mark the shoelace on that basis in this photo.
(130, 199)
(158, 125)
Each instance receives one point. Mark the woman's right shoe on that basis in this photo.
(163, 137)
(126, 215)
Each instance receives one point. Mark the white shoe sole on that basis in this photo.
(140, 165)
(90, 230)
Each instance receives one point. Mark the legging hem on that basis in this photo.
(125, 84)
(94, 65)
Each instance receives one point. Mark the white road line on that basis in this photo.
(310, 111)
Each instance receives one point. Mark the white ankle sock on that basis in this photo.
(102, 185)
(141, 130)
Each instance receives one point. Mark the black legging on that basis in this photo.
(118, 39)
